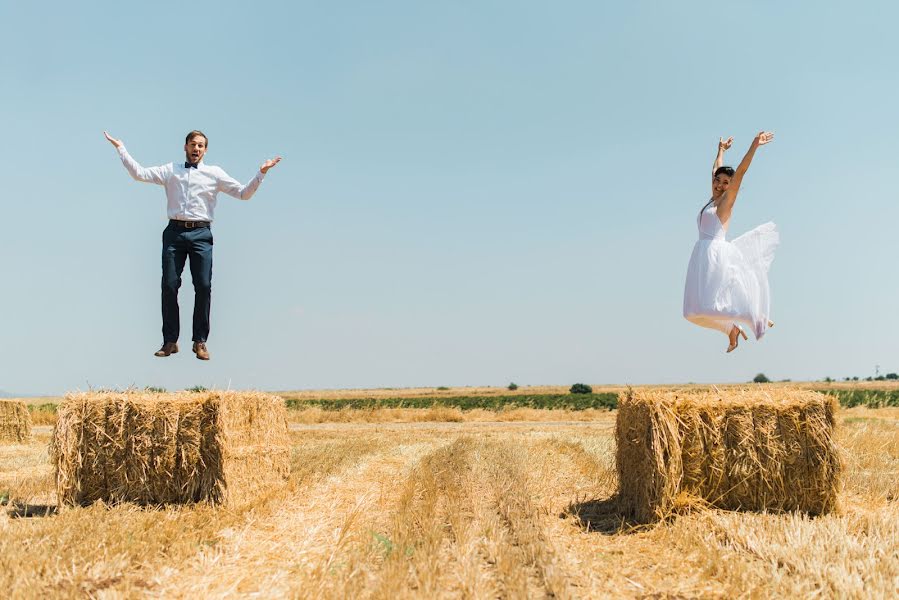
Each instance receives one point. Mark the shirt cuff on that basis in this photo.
(260, 175)
(121, 150)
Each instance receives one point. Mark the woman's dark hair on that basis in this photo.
(729, 171)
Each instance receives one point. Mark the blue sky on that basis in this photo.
(472, 193)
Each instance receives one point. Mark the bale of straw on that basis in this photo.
(737, 450)
(15, 422)
(220, 447)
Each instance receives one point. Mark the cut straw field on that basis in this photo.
(478, 509)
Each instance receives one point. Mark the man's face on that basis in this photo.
(195, 149)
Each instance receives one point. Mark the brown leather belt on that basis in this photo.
(189, 224)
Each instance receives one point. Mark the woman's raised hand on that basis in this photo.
(764, 137)
(725, 144)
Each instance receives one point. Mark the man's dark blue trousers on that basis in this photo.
(181, 241)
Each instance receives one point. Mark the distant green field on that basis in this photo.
(605, 400)
(869, 398)
(602, 400)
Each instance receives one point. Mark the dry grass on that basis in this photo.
(43, 417)
(15, 422)
(47, 556)
(455, 510)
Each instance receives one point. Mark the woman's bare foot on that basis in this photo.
(734, 337)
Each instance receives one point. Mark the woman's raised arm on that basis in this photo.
(723, 146)
(730, 197)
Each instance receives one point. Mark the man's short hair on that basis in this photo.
(195, 133)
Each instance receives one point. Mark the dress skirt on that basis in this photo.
(727, 282)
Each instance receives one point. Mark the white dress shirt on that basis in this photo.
(191, 192)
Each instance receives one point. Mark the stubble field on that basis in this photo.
(453, 507)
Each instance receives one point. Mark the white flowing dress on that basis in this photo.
(727, 282)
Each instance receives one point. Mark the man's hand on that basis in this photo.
(112, 140)
(267, 164)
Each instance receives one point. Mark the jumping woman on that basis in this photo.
(727, 282)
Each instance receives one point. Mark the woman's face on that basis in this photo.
(720, 184)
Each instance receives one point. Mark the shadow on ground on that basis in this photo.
(603, 516)
(21, 510)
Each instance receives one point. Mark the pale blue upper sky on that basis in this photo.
(472, 193)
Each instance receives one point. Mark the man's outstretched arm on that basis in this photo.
(232, 187)
(155, 175)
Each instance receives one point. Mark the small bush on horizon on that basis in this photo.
(761, 378)
(512, 386)
(197, 388)
(581, 388)
(442, 388)
(154, 390)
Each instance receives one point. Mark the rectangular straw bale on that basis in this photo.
(221, 447)
(753, 450)
(15, 422)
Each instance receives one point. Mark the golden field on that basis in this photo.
(437, 503)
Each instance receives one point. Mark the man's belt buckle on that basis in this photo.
(189, 224)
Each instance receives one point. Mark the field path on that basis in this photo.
(446, 510)
(300, 539)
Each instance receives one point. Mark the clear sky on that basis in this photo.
(472, 192)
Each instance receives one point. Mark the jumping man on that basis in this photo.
(191, 188)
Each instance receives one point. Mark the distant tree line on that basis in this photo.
(887, 377)
(762, 378)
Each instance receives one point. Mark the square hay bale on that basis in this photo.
(752, 450)
(15, 422)
(220, 447)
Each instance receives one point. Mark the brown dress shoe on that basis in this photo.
(169, 348)
(201, 351)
